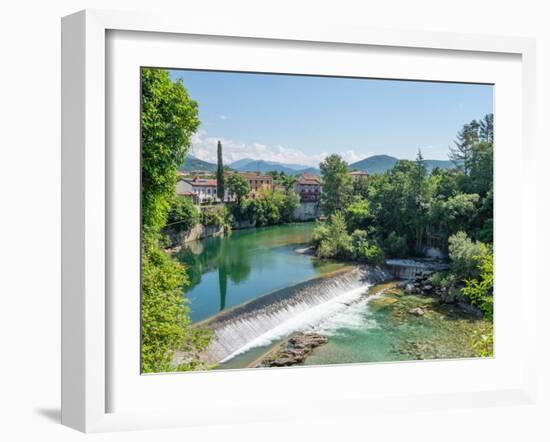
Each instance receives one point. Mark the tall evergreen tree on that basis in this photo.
(486, 128)
(461, 154)
(219, 173)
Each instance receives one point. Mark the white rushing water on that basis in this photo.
(311, 308)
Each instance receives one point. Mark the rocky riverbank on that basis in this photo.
(420, 285)
(293, 350)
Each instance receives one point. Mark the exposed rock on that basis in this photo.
(298, 347)
(410, 288)
(470, 309)
(427, 288)
(417, 311)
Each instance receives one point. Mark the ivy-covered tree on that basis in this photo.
(169, 117)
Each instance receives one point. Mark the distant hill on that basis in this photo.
(192, 163)
(443, 164)
(382, 163)
(374, 164)
(262, 166)
(311, 170)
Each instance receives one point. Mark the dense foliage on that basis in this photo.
(406, 209)
(183, 214)
(216, 216)
(337, 185)
(168, 119)
(269, 208)
(332, 240)
(165, 323)
(238, 187)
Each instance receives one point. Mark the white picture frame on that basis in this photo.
(87, 208)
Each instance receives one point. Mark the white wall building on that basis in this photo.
(203, 188)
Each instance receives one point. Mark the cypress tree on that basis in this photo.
(219, 174)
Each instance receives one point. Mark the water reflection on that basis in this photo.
(225, 271)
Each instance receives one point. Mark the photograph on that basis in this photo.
(309, 220)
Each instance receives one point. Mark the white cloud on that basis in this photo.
(204, 147)
(223, 117)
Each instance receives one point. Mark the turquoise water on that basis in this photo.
(376, 326)
(382, 328)
(227, 271)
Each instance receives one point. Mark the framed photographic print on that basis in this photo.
(279, 223)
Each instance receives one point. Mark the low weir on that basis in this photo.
(409, 268)
(275, 315)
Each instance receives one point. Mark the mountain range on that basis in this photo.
(192, 163)
(373, 165)
(382, 163)
(263, 166)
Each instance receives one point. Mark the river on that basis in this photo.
(253, 289)
(227, 271)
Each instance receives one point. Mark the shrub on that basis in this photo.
(364, 251)
(332, 240)
(183, 215)
(482, 343)
(165, 324)
(479, 291)
(465, 255)
(218, 216)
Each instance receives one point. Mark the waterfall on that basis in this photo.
(278, 314)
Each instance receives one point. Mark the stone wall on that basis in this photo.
(201, 232)
(197, 232)
(307, 211)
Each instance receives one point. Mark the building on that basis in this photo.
(358, 175)
(308, 186)
(257, 182)
(201, 188)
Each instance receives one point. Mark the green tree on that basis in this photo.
(168, 119)
(290, 202)
(461, 153)
(288, 181)
(337, 185)
(165, 323)
(479, 290)
(183, 215)
(486, 128)
(220, 179)
(466, 255)
(238, 186)
(455, 213)
(481, 168)
(331, 239)
(364, 250)
(358, 215)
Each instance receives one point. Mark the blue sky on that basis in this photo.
(302, 119)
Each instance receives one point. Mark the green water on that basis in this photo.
(246, 264)
(384, 329)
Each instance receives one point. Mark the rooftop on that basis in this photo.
(205, 182)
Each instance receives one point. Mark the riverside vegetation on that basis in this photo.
(392, 215)
(399, 213)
